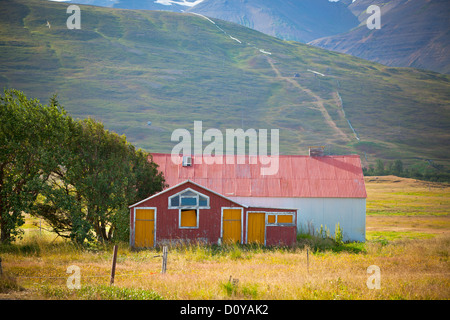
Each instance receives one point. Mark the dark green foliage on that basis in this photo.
(76, 175)
(30, 134)
(102, 174)
(379, 167)
(427, 170)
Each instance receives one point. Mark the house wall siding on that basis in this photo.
(167, 227)
(314, 212)
(281, 236)
(167, 224)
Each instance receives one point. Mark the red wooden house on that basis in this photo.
(324, 189)
(188, 212)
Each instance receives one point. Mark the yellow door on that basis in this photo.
(231, 225)
(144, 228)
(256, 227)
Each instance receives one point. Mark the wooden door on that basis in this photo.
(256, 227)
(144, 231)
(231, 225)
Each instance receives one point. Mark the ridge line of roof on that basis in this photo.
(281, 155)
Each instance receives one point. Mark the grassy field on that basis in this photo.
(400, 208)
(410, 246)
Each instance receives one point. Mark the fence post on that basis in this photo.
(164, 260)
(307, 260)
(113, 267)
(1, 271)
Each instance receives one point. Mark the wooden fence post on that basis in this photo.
(307, 260)
(164, 260)
(1, 271)
(113, 267)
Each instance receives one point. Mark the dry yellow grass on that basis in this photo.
(406, 208)
(402, 196)
(411, 269)
(411, 250)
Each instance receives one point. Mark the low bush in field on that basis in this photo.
(101, 292)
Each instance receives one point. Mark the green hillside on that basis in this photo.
(128, 67)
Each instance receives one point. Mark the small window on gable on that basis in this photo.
(189, 193)
(189, 198)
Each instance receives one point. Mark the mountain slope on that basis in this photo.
(300, 21)
(413, 34)
(127, 68)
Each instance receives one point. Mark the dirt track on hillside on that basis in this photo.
(318, 101)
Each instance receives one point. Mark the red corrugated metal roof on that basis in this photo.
(297, 176)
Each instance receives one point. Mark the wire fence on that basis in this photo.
(112, 275)
(92, 276)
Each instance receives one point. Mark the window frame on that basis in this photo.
(197, 196)
(197, 213)
(281, 224)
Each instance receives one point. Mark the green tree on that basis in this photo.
(397, 168)
(379, 167)
(30, 137)
(76, 175)
(101, 174)
(61, 203)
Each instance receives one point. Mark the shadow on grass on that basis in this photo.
(237, 251)
(198, 251)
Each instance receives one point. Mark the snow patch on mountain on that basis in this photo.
(181, 3)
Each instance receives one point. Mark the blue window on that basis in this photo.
(188, 201)
(203, 201)
(175, 201)
(188, 198)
